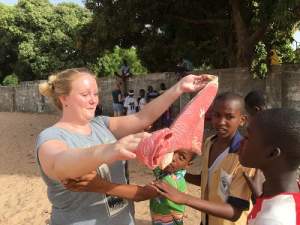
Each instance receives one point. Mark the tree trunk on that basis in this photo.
(245, 41)
(243, 48)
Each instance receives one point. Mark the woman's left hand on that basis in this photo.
(192, 83)
(169, 192)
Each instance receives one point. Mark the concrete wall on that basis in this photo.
(282, 88)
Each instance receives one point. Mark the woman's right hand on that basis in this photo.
(124, 148)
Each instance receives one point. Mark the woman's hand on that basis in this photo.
(192, 83)
(87, 183)
(125, 147)
(169, 192)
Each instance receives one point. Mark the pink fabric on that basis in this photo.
(186, 132)
(151, 150)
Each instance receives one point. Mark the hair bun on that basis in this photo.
(46, 88)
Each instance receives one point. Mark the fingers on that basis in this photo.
(159, 191)
(142, 135)
(127, 154)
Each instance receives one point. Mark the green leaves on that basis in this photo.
(111, 62)
(39, 38)
(11, 80)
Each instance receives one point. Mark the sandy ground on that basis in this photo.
(23, 197)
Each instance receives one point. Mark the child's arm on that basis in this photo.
(256, 183)
(222, 210)
(93, 183)
(193, 178)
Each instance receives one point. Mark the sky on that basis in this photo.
(297, 38)
(11, 2)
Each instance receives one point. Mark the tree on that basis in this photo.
(40, 38)
(222, 33)
(111, 62)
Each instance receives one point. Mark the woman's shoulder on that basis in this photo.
(50, 133)
(101, 121)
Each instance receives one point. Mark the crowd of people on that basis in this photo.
(127, 103)
(82, 158)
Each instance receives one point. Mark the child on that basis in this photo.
(163, 211)
(254, 102)
(273, 146)
(130, 103)
(224, 191)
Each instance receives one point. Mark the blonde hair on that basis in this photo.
(60, 84)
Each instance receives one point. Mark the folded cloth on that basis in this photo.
(186, 132)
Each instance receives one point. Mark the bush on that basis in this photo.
(10, 80)
(111, 62)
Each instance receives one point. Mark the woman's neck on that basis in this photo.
(74, 124)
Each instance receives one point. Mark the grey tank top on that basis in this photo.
(84, 208)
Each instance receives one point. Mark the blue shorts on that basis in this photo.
(117, 107)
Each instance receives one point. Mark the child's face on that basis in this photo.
(226, 118)
(253, 150)
(181, 160)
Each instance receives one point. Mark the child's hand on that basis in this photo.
(169, 192)
(254, 185)
(87, 183)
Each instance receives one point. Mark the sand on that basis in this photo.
(23, 197)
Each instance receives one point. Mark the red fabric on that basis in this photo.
(185, 133)
(151, 150)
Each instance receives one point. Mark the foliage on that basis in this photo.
(38, 38)
(111, 62)
(221, 33)
(259, 64)
(10, 80)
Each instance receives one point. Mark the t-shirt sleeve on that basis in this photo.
(239, 191)
(47, 135)
(102, 120)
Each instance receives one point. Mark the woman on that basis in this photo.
(79, 143)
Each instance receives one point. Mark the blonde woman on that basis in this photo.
(80, 143)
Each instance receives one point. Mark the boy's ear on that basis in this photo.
(243, 120)
(275, 153)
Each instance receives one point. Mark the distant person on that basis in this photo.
(141, 99)
(117, 100)
(166, 118)
(182, 67)
(151, 93)
(255, 102)
(162, 88)
(125, 69)
(130, 103)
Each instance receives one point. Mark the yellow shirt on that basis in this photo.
(226, 182)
